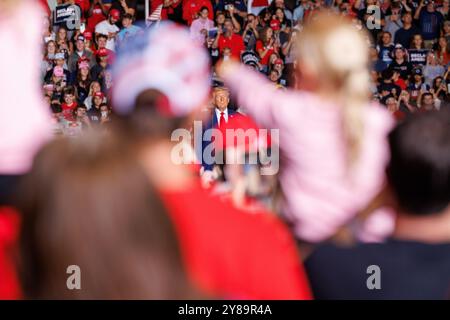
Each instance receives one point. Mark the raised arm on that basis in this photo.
(126, 8)
(215, 44)
(236, 24)
(419, 9)
(258, 96)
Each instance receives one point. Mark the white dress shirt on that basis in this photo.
(225, 115)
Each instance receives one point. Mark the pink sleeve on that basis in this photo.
(259, 97)
(194, 29)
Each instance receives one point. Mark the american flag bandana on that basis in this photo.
(166, 59)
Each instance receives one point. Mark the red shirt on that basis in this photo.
(192, 7)
(401, 83)
(97, 17)
(84, 5)
(68, 110)
(235, 43)
(9, 232)
(399, 115)
(260, 3)
(445, 57)
(232, 253)
(265, 59)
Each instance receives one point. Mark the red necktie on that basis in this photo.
(221, 119)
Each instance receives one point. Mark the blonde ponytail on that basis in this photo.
(354, 98)
(338, 52)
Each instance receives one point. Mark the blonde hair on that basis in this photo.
(334, 49)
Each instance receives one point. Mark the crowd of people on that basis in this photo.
(354, 93)
(408, 41)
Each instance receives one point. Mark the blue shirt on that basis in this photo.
(384, 53)
(125, 34)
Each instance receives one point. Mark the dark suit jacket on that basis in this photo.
(210, 123)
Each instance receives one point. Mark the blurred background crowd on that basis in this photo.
(357, 91)
(408, 41)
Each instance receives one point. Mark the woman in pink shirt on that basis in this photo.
(200, 26)
(332, 139)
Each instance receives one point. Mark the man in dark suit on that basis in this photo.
(220, 115)
(222, 111)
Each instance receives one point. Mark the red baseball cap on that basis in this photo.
(275, 24)
(99, 94)
(83, 58)
(87, 35)
(278, 61)
(114, 13)
(102, 52)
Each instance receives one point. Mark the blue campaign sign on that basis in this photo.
(65, 13)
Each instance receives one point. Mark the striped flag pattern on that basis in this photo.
(155, 16)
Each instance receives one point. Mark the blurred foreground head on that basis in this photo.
(86, 202)
(159, 83)
(419, 170)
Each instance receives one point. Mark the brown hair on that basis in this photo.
(150, 118)
(264, 38)
(46, 48)
(88, 203)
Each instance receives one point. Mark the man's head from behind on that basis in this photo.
(419, 170)
(159, 82)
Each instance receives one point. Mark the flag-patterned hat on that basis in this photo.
(166, 59)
